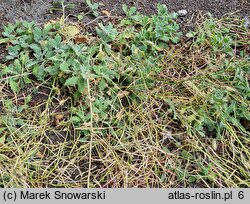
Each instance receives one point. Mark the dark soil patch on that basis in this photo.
(216, 7)
(2, 53)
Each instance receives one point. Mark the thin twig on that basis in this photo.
(91, 132)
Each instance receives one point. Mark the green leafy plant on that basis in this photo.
(61, 6)
(150, 32)
(93, 7)
(216, 36)
(81, 101)
(48, 54)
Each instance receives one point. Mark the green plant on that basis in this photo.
(48, 54)
(61, 6)
(122, 108)
(93, 7)
(150, 32)
(217, 36)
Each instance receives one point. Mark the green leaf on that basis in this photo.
(22, 107)
(2, 129)
(125, 8)
(38, 71)
(8, 30)
(47, 28)
(2, 137)
(17, 66)
(175, 40)
(58, 39)
(4, 40)
(80, 17)
(102, 85)
(192, 179)
(37, 34)
(56, 58)
(65, 67)
(52, 43)
(132, 10)
(35, 47)
(107, 33)
(93, 7)
(27, 24)
(186, 155)
(14, 85)
(165, 149)
(75, 119)
(205, 170)
(52, 70)
(72, 81)
(70, 6)
(81, 85)
(129, 12)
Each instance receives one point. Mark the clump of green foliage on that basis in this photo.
(47, 54)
